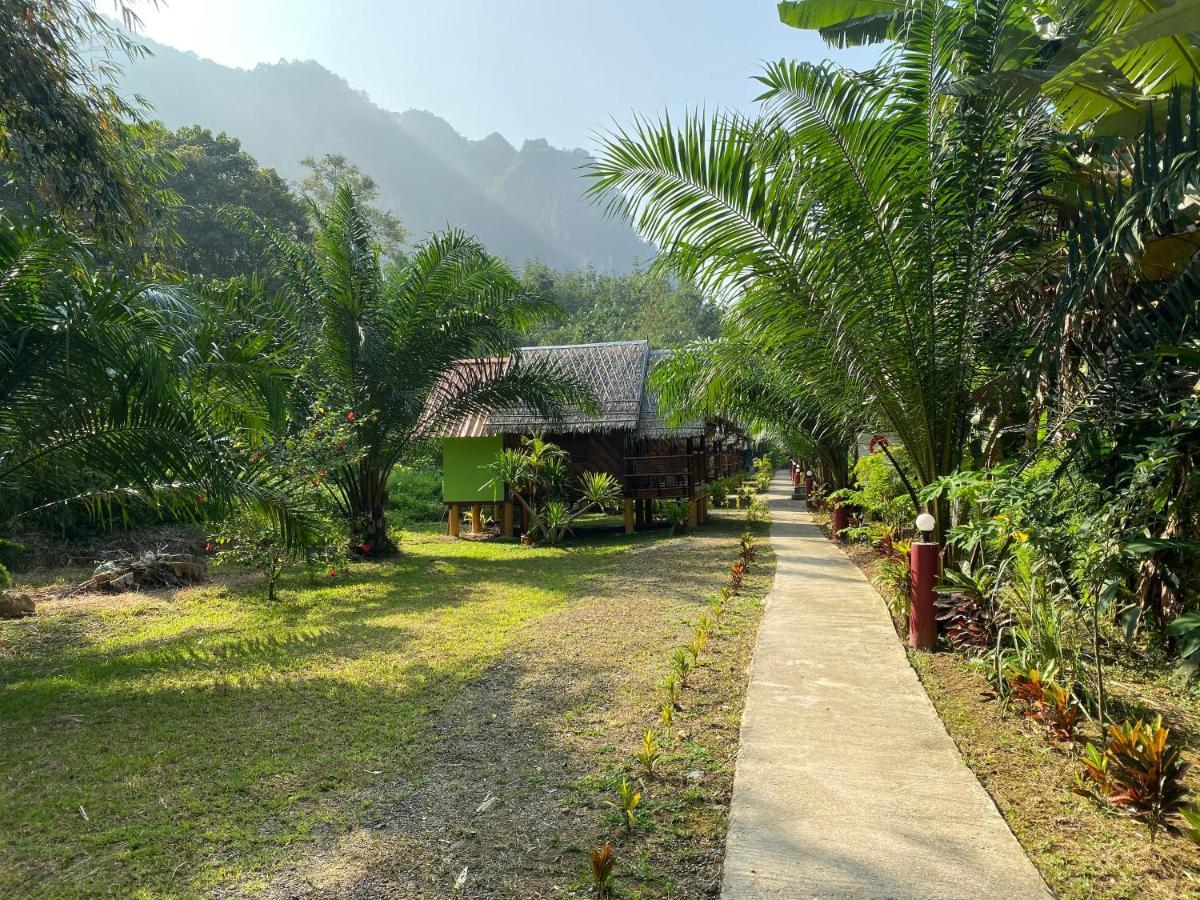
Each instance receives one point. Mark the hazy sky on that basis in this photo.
(558, 69)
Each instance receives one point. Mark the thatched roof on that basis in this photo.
(616, 374)
(650, 422)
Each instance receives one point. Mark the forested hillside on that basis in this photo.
(524, 203)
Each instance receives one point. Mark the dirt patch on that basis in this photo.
(512, 784)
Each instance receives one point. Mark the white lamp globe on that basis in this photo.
(809, 473)
(926, 522)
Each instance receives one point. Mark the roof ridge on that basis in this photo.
(591, 344)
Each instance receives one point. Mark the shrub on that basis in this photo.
(965, 608)
(737, 572)
(763, 473)
(5, 578)
(11, 552)
(1139, 772)
(676, 514)
(248, 539)
(628, 800)
(1046, 702)
(672, 688)
(681, 666)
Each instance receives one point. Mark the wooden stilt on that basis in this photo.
(507, 515)
(693, 513)
(703, 516)
(476, 518)
(455, 519)
(629, 516)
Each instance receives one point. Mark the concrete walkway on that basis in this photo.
(847, 784)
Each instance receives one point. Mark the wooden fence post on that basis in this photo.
(455, 519)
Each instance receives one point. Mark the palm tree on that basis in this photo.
(730, 378)
(1098, 62)
(874, 228)
(387, 348)
(116, 394)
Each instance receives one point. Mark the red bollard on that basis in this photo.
(839, 518)
(809, 484)
(923, 563)
(795, 475)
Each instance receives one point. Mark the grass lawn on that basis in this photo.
(467, 706)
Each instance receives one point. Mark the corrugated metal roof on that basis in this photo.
(463, 373)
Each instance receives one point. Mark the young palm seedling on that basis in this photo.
(649, 754)
(672, 688)
(628, 800)
(681, 666)
(666, 715)
(602, 860)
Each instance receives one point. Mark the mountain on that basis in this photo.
(523, 204)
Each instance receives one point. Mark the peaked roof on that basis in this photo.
(650, 423)
(614, 371)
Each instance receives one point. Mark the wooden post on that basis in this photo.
(703, 517)
(629, 517)
(693, 513)
(476, 523)
(455, 519)
(507, 515)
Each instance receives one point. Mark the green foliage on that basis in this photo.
(879, 492)
(11, 552)
(333, 170)
(649, 753)
(69, 144)
(672, 688)
(627, 803)
(666, 716)
(215, 176)
(415, 494)
(764, 472)
(387, 346)
(536, 475)
(119, 398)
(1138, 771)
(605, 307)
(681, 666)
(5, 577)
(676, 514)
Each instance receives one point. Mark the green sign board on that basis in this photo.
(465, 463)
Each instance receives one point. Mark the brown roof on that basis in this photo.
(463, 373)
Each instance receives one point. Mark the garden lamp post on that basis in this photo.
(809, 481)
(922, 578)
